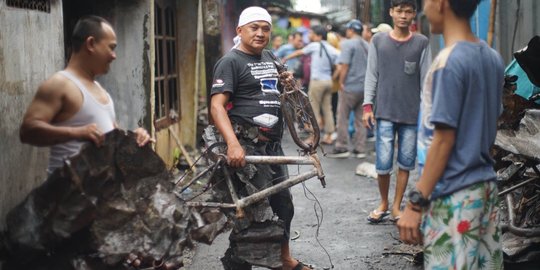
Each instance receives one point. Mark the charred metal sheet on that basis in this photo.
(524, 141)
(111, 207)
(517, 156)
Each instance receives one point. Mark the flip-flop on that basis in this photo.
(377, 216)
(395, 219)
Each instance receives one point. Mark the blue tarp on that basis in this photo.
(525, 88)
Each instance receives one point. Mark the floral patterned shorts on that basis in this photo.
(461, 230)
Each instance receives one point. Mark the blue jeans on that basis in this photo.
(384, 146)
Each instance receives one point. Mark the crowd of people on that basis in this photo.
(386, 83)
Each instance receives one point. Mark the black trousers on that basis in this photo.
(281, 203)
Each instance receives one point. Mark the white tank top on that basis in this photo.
(91, 111)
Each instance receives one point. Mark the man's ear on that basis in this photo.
(443, 4)
(238, 30)
(90, 43)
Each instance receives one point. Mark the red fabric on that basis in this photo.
(306, 63)
(368, 108)
(306, 22)
(463, 226)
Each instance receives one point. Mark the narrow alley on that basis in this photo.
(351, 242)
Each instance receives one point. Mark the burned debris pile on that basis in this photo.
(109, 207)
(517, 157)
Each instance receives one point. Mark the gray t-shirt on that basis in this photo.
(463, 90)
(354, 53)
(320, 64)
(394, 75)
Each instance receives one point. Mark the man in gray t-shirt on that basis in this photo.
(352, 61)
(397, 63)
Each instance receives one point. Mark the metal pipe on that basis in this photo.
(255, 197)
(279, 160)
(234, 196)
(517, 186)
(211, 204)
(511, 226)
(318, 167)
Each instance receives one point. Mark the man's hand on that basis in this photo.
(235, 156)
(89, 132)
(143, 137)
(367, 116)
(286, 78)
(409, 226)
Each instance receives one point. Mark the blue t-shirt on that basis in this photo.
(463, 90)
(286, 50)
(321, 64)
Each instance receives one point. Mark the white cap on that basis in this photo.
(383, 27)
(253, 14)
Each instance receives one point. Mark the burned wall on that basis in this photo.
(31, 50)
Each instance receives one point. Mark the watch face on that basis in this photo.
(414, 197)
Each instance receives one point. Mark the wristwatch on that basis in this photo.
(417, 199)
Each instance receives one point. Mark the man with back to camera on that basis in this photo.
(245, 97)
(397, 63)
(323, 56)
(352, 61)
(455, 201)
(71, 108)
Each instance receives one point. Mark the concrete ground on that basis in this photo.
(351, 242)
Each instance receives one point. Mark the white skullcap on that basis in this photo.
(253, 14)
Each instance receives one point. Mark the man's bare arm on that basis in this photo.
(293, 55)
(343, 71)
(36, 127)
(235, 152)
(437, 158)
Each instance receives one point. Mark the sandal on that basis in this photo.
(377, 216)
(395, 219)
(327, 139)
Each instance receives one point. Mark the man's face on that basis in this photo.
(277, 42)
(349, 33)
(402, 15)
(314, 37)
(297, 42)
(255, 36)
(366, 33)
(432, 10)
(104, 49)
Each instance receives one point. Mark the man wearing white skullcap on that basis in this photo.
(246, 110)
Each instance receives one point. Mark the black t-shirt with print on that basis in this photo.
(253, 83)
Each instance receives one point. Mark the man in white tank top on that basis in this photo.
(71, 108)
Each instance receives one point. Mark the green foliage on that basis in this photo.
(176, 153)
(278, 31)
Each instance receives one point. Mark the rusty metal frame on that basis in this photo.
(513, 228)
(241, 203)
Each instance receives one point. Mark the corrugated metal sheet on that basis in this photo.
(528, 25)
